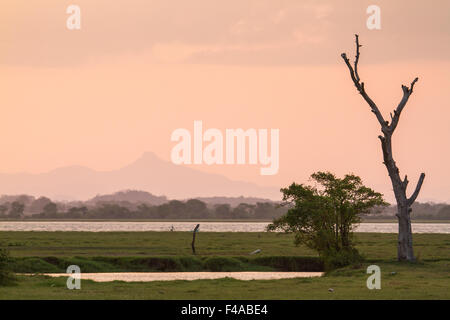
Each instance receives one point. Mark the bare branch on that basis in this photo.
(357, 57)
(406, 94)
(416, 192)
(360, 85)
(405, 182)
(412, 85)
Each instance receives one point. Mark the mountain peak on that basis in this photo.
(146, 160)
(148, 173)
(148, 156)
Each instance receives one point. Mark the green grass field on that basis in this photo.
(117, 244)
(429, 278)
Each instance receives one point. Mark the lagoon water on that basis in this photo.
(168, 276)
(107, 226)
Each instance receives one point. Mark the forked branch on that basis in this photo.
(406, 94)
(360, 85)
(386, 128)
(407, 91)
(418, 187)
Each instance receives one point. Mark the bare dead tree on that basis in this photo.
(193, 237)
(405, 246)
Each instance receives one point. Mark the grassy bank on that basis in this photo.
(417, 281)
(376, 246)
(170, 251)
(166, 264)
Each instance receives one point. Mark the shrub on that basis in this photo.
(222, 264)
(337, 259)
(6, 276)
(286, 263)
(323, 216)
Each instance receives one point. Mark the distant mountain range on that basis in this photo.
(149, 173)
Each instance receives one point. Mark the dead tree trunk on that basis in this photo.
(405, 247)
(193, 238)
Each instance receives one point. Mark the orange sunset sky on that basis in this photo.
(137, 70)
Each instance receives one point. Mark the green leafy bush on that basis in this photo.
(323, 216)
(6, 276)
(287, 263)
(337, 259)
(222, 264)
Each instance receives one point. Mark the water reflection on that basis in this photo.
(99, 226)
(167, 276)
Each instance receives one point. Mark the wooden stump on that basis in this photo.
(193, 238)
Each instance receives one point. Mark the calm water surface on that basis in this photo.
(168, 276)
(102, 226)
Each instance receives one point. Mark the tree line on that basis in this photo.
(174, 209)
(28, 207)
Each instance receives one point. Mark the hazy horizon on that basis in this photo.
(101, 96)
(148, 173)
(273, 195)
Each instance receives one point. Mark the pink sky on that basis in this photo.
(137, 70)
